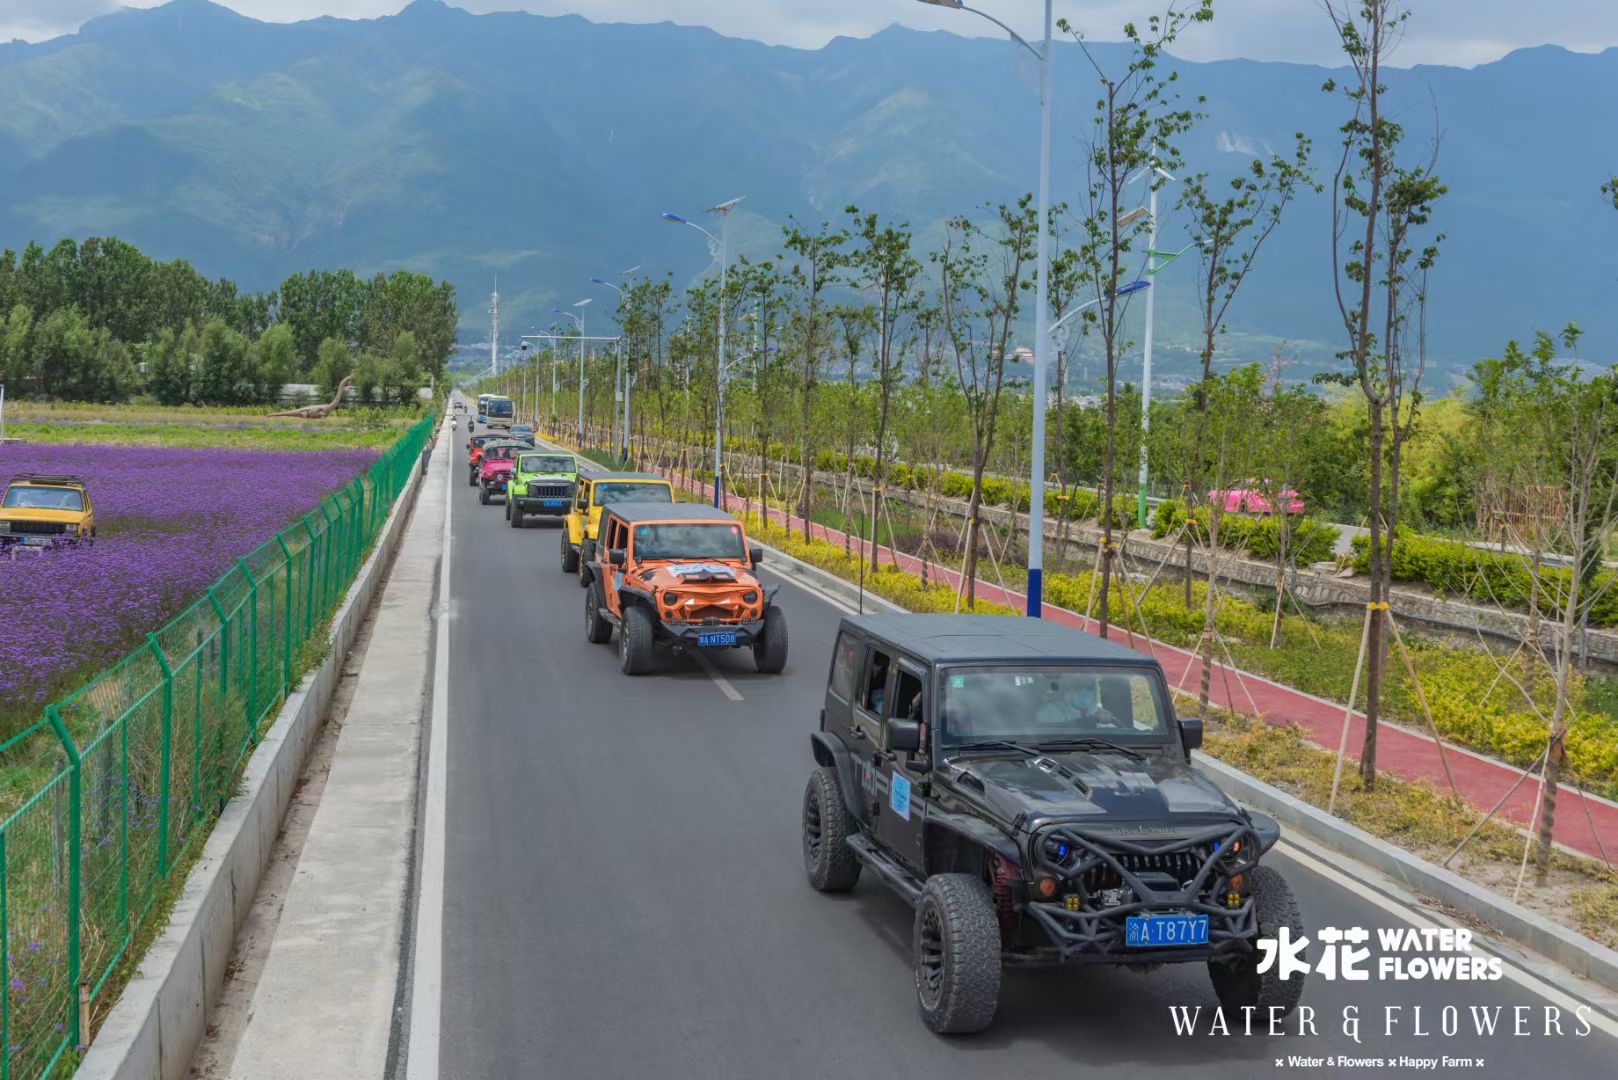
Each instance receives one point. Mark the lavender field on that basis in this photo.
(169, 521)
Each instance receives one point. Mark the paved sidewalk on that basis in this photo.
(1400, 751)
(324, 1003)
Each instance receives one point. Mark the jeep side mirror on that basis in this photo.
(617, 558)
(1191, 732)
(902, 736)
(755, 554)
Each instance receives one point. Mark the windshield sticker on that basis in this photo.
(899, 796)
(956, 682)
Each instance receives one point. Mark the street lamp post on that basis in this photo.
(620, 385)
(578, 320)
(723, 210)
(1042, 329)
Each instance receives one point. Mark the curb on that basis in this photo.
(1566, 948)
(157, 1023)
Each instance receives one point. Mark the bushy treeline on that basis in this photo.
(101, 321)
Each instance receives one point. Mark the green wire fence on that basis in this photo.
(100, 800)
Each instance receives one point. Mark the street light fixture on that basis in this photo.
(723, 210)
(1042, 314)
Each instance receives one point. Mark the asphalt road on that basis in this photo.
(624, 892)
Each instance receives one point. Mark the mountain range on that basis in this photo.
(542, 150)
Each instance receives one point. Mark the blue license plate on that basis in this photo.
(555, 502)
(727, 637)
(1165, 931)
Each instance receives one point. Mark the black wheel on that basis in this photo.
(513, 513)
(827, 858)
(957, 943)
(587, 554)
(596, 627)
(570, 558)
(635, 640)
(770, 650)
(1237, 981)
(483, 496)
(472, 476)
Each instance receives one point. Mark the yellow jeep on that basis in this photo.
(594, 491)
(40, 510)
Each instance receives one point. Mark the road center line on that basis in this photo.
(427, 974)
(724, 684)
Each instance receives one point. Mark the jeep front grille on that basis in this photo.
(540, 490)
(39, 528)
(1178, 866)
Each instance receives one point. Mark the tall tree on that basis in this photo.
(1138, 119)
(884, 265)
(1379, 207)
(817, 258)
(980, 276)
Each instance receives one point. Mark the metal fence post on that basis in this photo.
(308, 581)
(224, 699)
(286, 620)
(167, 758)
(252, 651)
(75, 781)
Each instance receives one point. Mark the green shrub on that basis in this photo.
(1167, 518)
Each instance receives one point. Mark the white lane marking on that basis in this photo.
(1516, 974)
(427, 981)
(724, 684)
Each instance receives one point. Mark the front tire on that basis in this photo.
(957, 946)
(828, 860)
(587, 553)
(570, 557)
(472, 476)
(596, 627)
(1237, 981)
(483, 496)
(770, 650)
(635, 640)
(514, 513)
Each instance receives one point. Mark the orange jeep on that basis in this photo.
(680, 576)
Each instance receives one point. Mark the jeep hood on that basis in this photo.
(1085, 784)
(700, 572)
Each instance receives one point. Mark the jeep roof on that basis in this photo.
(956, 638)
(635, 513)
(596, 478)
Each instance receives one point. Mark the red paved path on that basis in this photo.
(1481, 781)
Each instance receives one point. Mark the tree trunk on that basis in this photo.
(969, 564)
(1104, 561)
(1206, 642)
(1280, 592)
(1378, 596)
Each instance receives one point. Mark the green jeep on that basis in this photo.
(541, 483)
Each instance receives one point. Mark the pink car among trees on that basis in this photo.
(1254, 500)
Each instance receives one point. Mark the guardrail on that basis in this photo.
(103, 798)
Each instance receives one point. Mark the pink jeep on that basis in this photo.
(1250, 500)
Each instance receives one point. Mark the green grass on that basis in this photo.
(225, 428)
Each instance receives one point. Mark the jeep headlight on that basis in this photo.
(5, 526)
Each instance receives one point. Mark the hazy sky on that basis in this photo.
(1463, 32)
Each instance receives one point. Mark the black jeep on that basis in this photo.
(1028, 789)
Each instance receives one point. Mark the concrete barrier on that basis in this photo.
(157, 1023)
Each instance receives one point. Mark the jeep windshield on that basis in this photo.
(709, 540)
(545, 463)
(22, 497)
(1065, 706)
(608, 493)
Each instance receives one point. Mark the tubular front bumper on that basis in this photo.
(1114, 877)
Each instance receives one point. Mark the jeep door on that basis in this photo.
(899, 818)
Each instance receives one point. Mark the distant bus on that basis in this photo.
(498, 411)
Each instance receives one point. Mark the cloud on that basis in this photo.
(1458, 32)
(39, 20)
